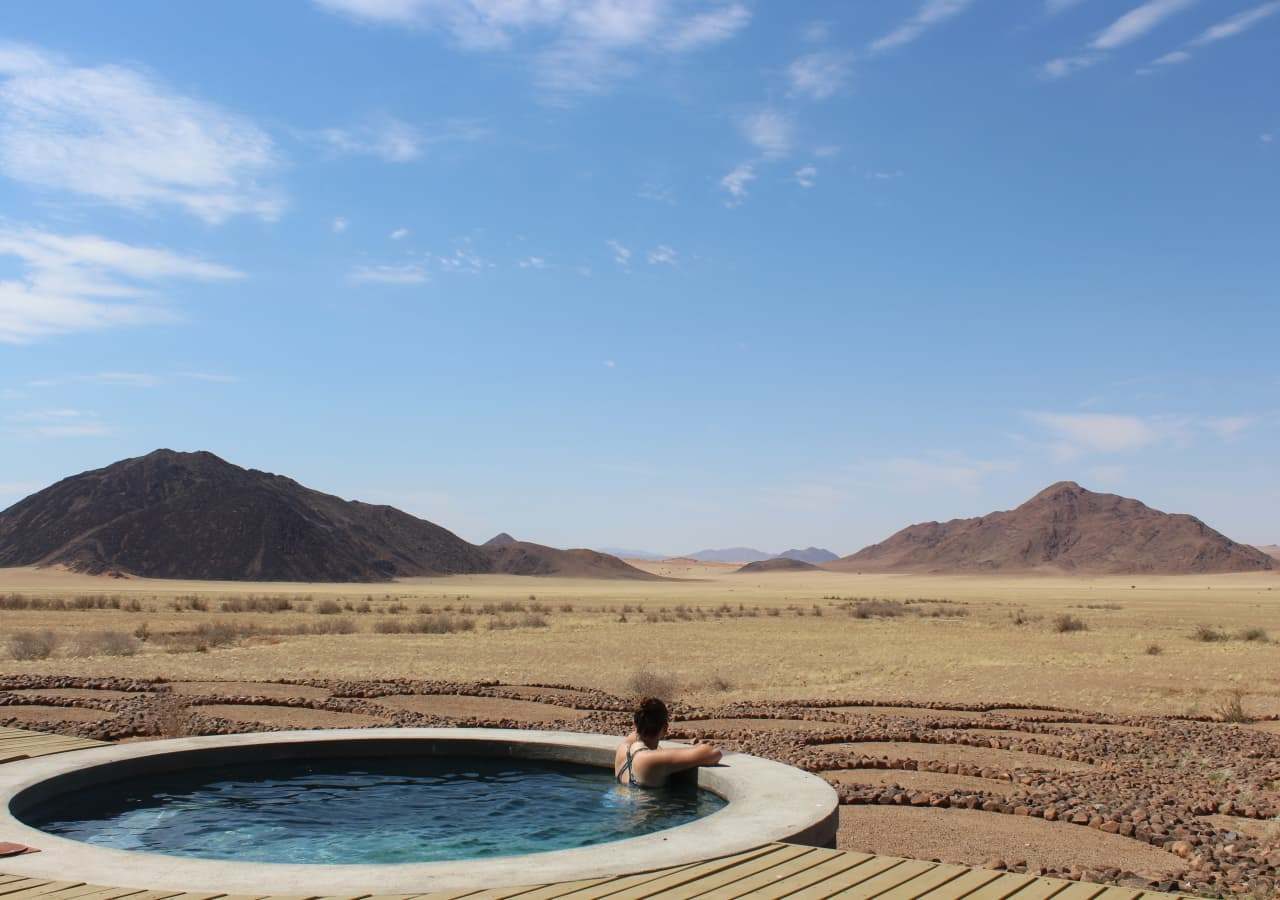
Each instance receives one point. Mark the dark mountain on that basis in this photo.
(730, 554)
(813, 555)
(777, 564)
(1064, 528)
(501, 539)
(195, 516)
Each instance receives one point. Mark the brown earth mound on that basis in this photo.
(780, 564)
(1272, 550)
(195, 516)
(1065, 528)
(525, 558)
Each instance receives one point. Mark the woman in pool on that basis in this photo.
(640, 762)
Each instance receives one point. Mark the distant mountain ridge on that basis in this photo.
(1272, 550)
(196, 516)
(1063, 528)
(750, 554)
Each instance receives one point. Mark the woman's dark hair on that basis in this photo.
(651, 717)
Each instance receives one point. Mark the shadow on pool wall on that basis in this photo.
(766, 802)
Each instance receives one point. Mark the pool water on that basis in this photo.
(353, 811)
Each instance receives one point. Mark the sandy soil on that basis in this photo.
(526, 691)
(1004, 733)
(481, 707)
(954, 715)
(797, 725)
(922, 781)
(288, 717)
(249, 689)
(956, 835)
(954, 753)
(53, 714)
(984, 656)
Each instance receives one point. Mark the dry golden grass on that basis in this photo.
(722, 636)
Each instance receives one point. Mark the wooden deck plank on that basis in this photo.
(935, 879)
(728, 885)
(22, 884)
(656, 882)
(858, 874)
(1081, 890)
(1119, 893)
(1042, 889)
(1005, 886)
(824, 871)
(966, 884)
(889, 879)
(42, 890)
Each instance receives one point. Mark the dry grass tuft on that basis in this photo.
(1207, 634)
(106, 643)
(1066, 623)
(25, 645)
(1232, 709)
(648, 683)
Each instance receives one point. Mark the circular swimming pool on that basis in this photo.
(373, 810)
(385, 811)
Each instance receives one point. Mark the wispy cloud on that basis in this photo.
(83, 282)
(399, 234)
(117, 135)
(1053, 7)
(819, 75)
(1138, 22)
(621, 253)
(578, 46)
(532, 262)
(1130, 27)
(1230, 427)
(58, 423)
(339, 224)
(396, 141)
(1096, 432)
(930, 14)
(806, 176)
(409, 273)
(662, 255)
(769, 131)
(737, 181)
(1228, 28)
(708, 28)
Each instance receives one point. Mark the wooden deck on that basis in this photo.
(16, 743)
(769, 872)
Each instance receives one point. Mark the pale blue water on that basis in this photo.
(390, 810)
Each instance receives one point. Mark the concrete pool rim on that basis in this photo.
(767, 802)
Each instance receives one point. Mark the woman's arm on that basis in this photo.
(676, 759)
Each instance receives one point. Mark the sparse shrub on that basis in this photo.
(142, 633)
(106, 643)
(220, 634)
(718, 683)
(566, 607)
(1067, 623)
(877, 609)
(388, 626)
(334, 626)
(441, 623)
(774, 612)
(328, 607)
(648, 683)
(25, 645)
(1232, 709)
(1154, 650)
(1207, 634)
(1254, 634)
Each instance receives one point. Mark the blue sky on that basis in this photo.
(660, 273)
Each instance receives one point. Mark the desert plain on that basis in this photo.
(1120, 729)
